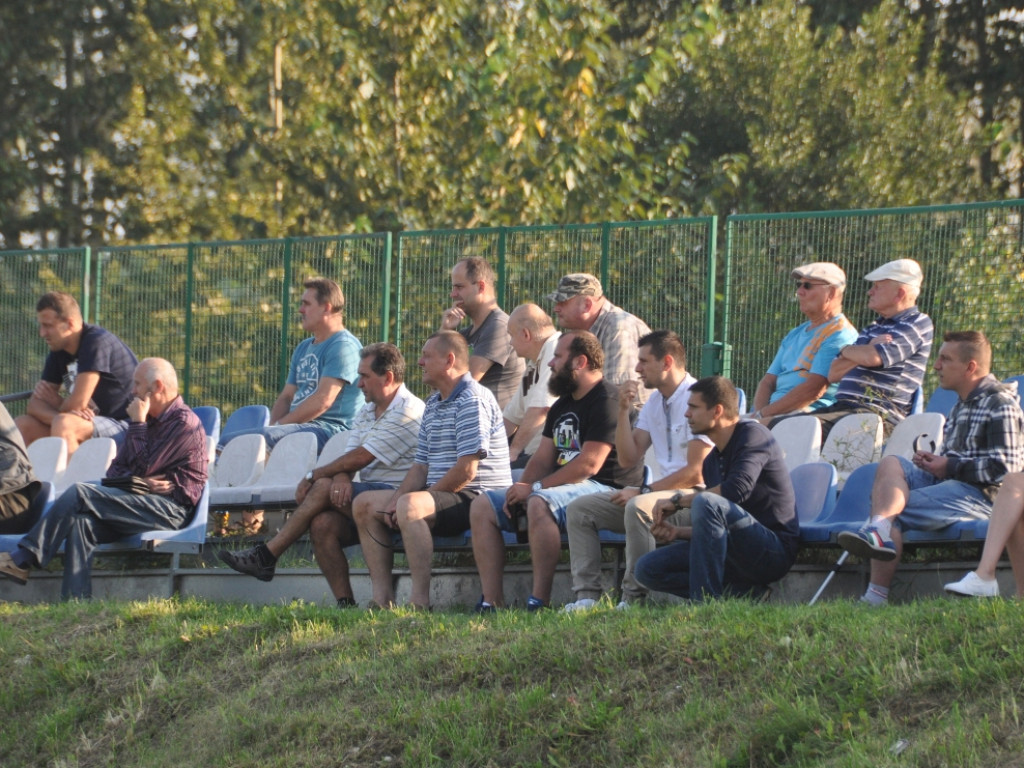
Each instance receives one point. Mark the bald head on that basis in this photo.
(532, 318)
(529, 327)
(154, 382)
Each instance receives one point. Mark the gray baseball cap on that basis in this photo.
(576, 284)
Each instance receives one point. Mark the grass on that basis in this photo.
(168, 683)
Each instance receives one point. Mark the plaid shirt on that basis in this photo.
(983, 437)
(619, 333)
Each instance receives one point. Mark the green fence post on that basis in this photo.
(502, 245)
(190, 284)
(385, 297)
(86, 289)
(606, 241)
(282, 365)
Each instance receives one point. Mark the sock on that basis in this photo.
(876, 595)
(265, 555)
(883, 525)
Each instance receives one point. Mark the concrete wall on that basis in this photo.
(452, 588)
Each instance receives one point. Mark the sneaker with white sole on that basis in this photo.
(248, 561)
(867, 543)
(583, 604)
(972, 585)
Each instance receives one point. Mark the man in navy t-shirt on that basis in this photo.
(87, 378)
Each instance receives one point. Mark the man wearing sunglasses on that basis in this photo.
(797, 378)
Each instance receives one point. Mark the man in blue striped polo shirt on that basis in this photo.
(882, 369)
(461, 452)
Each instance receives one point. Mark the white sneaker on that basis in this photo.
(623, 606)
(584, 604)
(973, 585)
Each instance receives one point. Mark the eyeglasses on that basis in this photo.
(807, 285)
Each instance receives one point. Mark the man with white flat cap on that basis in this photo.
(881, 370)
(797, 379)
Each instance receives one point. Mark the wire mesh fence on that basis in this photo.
(972, 257)
(226, 313)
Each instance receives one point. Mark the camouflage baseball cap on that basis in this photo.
(576, 284)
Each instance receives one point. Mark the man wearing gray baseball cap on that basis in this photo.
(580, 305)
(797, 378)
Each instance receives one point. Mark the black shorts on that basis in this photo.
(451, 511)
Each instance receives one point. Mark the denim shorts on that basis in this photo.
(935, 503)
(557, 498)
(104, 426)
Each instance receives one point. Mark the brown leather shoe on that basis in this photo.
(9, 569)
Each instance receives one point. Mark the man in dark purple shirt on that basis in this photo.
(165, 450)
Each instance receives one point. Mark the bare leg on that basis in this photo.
(372, 531)
(1003, 529)
(545, 546)
(74, 429)
(890, 492)
(488, 550)
(329, 532)
(416, 516)
(317, 500)
(882, 572)
(31, 428)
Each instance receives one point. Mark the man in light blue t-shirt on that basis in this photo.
(797, 379)
(319, 396)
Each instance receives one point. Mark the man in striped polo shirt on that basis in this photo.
(380, 449)
(882, 369)
(461, 452)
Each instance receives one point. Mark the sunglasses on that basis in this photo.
(807, 285)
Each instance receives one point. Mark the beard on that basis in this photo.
(562, 382)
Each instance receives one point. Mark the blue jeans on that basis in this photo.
(86, 516)
(730, 553)
(934, 503)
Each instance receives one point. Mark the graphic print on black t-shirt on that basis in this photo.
(566, 435)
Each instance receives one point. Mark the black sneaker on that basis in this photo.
(484, 607)
(247, 561)
(347, 602)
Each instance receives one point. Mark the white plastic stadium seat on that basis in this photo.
(49, 457)
(239, 466)
(89, 463)
(854, 441)
(901, 441)
(335, 448)
(800, 438)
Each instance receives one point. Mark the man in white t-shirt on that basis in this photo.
(534, 338)
(680, 455)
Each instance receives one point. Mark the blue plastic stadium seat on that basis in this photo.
(209, 415)
(851, 511)
(942, 401)
(245, 418)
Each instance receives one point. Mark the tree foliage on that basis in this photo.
(218, 119)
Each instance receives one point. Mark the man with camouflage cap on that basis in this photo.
(580, 305)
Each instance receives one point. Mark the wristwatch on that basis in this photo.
(645, 488)
(677, 499)
(536, 487)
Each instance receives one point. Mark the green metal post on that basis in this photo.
(385, 297)
(86, 279)
(502, 234)
(190, 282)
(282, 365)
(398, 293)
(606, 240)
